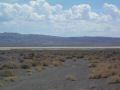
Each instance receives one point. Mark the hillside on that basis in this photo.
(16, 39)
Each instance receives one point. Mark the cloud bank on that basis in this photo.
(77, 19)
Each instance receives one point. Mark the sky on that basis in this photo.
(61, 17)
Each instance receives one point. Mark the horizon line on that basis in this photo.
(58, 35)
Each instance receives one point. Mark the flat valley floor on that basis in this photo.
(89, 69)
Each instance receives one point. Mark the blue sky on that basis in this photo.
(61, 17)
(96, 4)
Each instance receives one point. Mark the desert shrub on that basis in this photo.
(92, 65)
(29, 71)
(7, 73)
(62, 60)
(56, 63)
(94, 76)
(71, 78)
(69, 57)
(38, 68)
(25, 66)
(10, 78)
(80, 56)
(114, 79)
(10, 65)
(21, 60)
(45, 63)
(97, 74)
(101, 70)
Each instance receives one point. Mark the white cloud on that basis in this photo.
(112, 10)
(18, 12)
(81, 11)
(79, 17)
(41, 9)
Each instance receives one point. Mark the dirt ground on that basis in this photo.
(72, 74)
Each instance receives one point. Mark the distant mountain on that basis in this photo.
(19, 40)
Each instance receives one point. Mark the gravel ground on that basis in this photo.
(54, 78)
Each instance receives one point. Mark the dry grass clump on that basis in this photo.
(39, 68)
(56, 63)
(92, 65)
(29, 71)
(10, 65)
(104, 63)
(69, 57)
(71, 77)
(58, 60)
(114, 79)
(93, 58)
(45, 63)
(79, 56)
(7, 73)
(27, 64)
(62, 60)
(10, 78)
(94, 76)
(102, 70)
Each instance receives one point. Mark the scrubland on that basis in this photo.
(102, 63)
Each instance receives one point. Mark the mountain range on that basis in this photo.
(36, 40)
